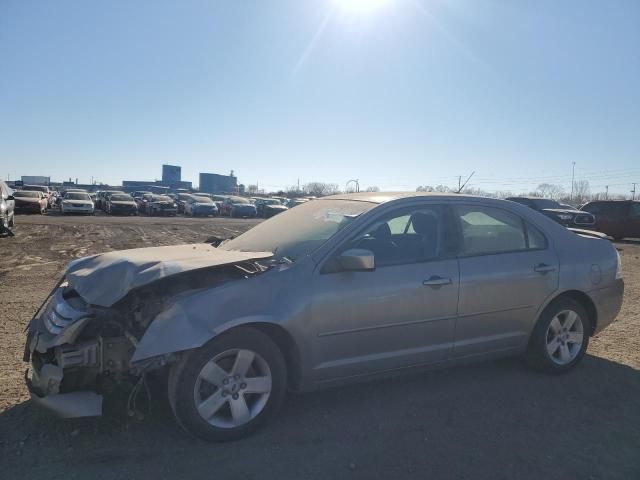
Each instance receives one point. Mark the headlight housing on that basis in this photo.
(564, 216)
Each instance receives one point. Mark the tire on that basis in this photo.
(187, 388)
(12, 220)
(554, 349)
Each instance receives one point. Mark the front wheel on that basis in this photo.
(228, 388)
(560, 337)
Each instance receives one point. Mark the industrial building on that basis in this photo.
(215, 183)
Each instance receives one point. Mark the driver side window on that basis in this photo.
(405, 236)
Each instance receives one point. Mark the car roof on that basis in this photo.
(382, 197)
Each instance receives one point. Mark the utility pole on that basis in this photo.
(573, 176)
(633, 192)
(606, 195)
(459, 183)
(298, 185)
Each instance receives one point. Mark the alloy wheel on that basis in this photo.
(232, 388)
(565, 336)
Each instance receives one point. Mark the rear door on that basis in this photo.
(507, 270)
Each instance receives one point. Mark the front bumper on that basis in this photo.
(50, 348)
(73, 209)
(65, 405)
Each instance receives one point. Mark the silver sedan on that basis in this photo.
(336, 290)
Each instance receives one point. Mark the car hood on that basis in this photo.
(563, 210)
(276, 207)
(104, 279)
(27, 200)
(77, 202)
(123, 202)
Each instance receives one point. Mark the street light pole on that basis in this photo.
(573, 175)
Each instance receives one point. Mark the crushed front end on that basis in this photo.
(70, 368)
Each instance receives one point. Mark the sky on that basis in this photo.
(394, 93)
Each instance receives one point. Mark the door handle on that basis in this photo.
(544, 268)
(436, 281)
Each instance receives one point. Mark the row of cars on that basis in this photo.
(115, 202)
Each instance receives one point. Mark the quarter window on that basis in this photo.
(487, 230)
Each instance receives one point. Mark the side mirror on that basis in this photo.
(10, 197)
(356, 259)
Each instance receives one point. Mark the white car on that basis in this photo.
(77, 202)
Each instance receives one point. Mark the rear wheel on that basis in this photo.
(560, 337)
(12, 220)
(228, 388)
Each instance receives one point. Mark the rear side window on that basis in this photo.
(488, 230)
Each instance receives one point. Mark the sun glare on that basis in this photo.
(360, 6)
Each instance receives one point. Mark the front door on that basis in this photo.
(398, 315)
(507, 270)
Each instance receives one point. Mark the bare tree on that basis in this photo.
(252, 189)
(373, 188)
(550, 190)
(424, 188)
(581, 191)
(320, 189)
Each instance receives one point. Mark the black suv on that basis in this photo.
(567, 216)
(7, 204)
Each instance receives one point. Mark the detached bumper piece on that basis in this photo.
(65, 405)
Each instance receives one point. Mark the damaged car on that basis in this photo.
(337, 290)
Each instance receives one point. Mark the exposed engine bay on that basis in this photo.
(80, 351)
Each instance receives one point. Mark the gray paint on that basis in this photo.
(354, 323)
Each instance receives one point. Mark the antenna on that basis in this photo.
(465, 182)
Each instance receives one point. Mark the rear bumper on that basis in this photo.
(608, 303)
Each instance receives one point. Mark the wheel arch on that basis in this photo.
(585, 300)
(287, 345)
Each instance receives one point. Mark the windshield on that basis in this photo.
(238, 200)
(300, 231)
(25, 194)
(272, 202)
(202, 200)
(160, 198)
(121, 198)
(77, 196)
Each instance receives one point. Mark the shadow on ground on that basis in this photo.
(488, 421)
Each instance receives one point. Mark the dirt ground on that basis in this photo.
(495, 420)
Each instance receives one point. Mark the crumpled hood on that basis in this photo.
(106, 278)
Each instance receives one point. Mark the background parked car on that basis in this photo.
(40, 188)
(200, 206)
(32, 201)
(569, 217)
(161, 205)
(7, 203)
(617, 218)
(294, 202)
(181, 200)
(121, 204)
(268, 207)
(238, 207)
(107, 195)
(143, 202)
(102, 196)
(77, 202)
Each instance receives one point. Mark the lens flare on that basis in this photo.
(360, 6)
